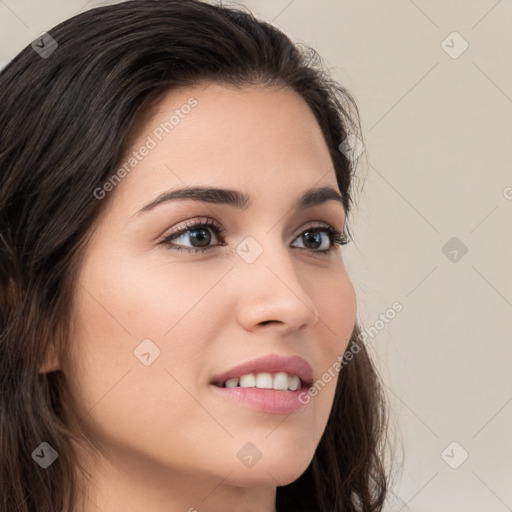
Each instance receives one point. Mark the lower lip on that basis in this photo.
(265, 400)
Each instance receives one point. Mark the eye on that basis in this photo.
(313, 236)
(199, 234)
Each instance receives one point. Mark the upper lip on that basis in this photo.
(292, 365)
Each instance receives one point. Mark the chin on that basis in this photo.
(266, 477)
(279, 469)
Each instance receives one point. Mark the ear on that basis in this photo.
(52, 363)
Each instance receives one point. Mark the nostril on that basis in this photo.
(265, 322)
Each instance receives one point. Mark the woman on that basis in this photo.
(178, 330)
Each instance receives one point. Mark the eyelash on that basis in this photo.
(336, 238)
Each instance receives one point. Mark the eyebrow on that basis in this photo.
(311, 197)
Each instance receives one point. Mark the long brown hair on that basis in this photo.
(63, 121)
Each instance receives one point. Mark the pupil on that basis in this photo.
(201, 237)
(315, 237)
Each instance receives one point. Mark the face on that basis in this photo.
(160, 311)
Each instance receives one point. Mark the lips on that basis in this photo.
(292, 365)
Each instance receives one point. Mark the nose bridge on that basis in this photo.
(273, 291)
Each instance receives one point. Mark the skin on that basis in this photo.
(169, 443)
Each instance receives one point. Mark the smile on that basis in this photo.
(278, 381)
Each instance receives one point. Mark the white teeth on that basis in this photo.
(279, 381)
(264, 381)
(232, 383)
(294, 383)
(248, 381)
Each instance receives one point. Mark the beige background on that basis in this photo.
(437, 131)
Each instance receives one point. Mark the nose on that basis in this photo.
(273, 295)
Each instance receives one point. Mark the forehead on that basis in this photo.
(256, 139)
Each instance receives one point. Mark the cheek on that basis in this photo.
(119, 307)
(116, 394)
(337, 308)
(148, 299)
